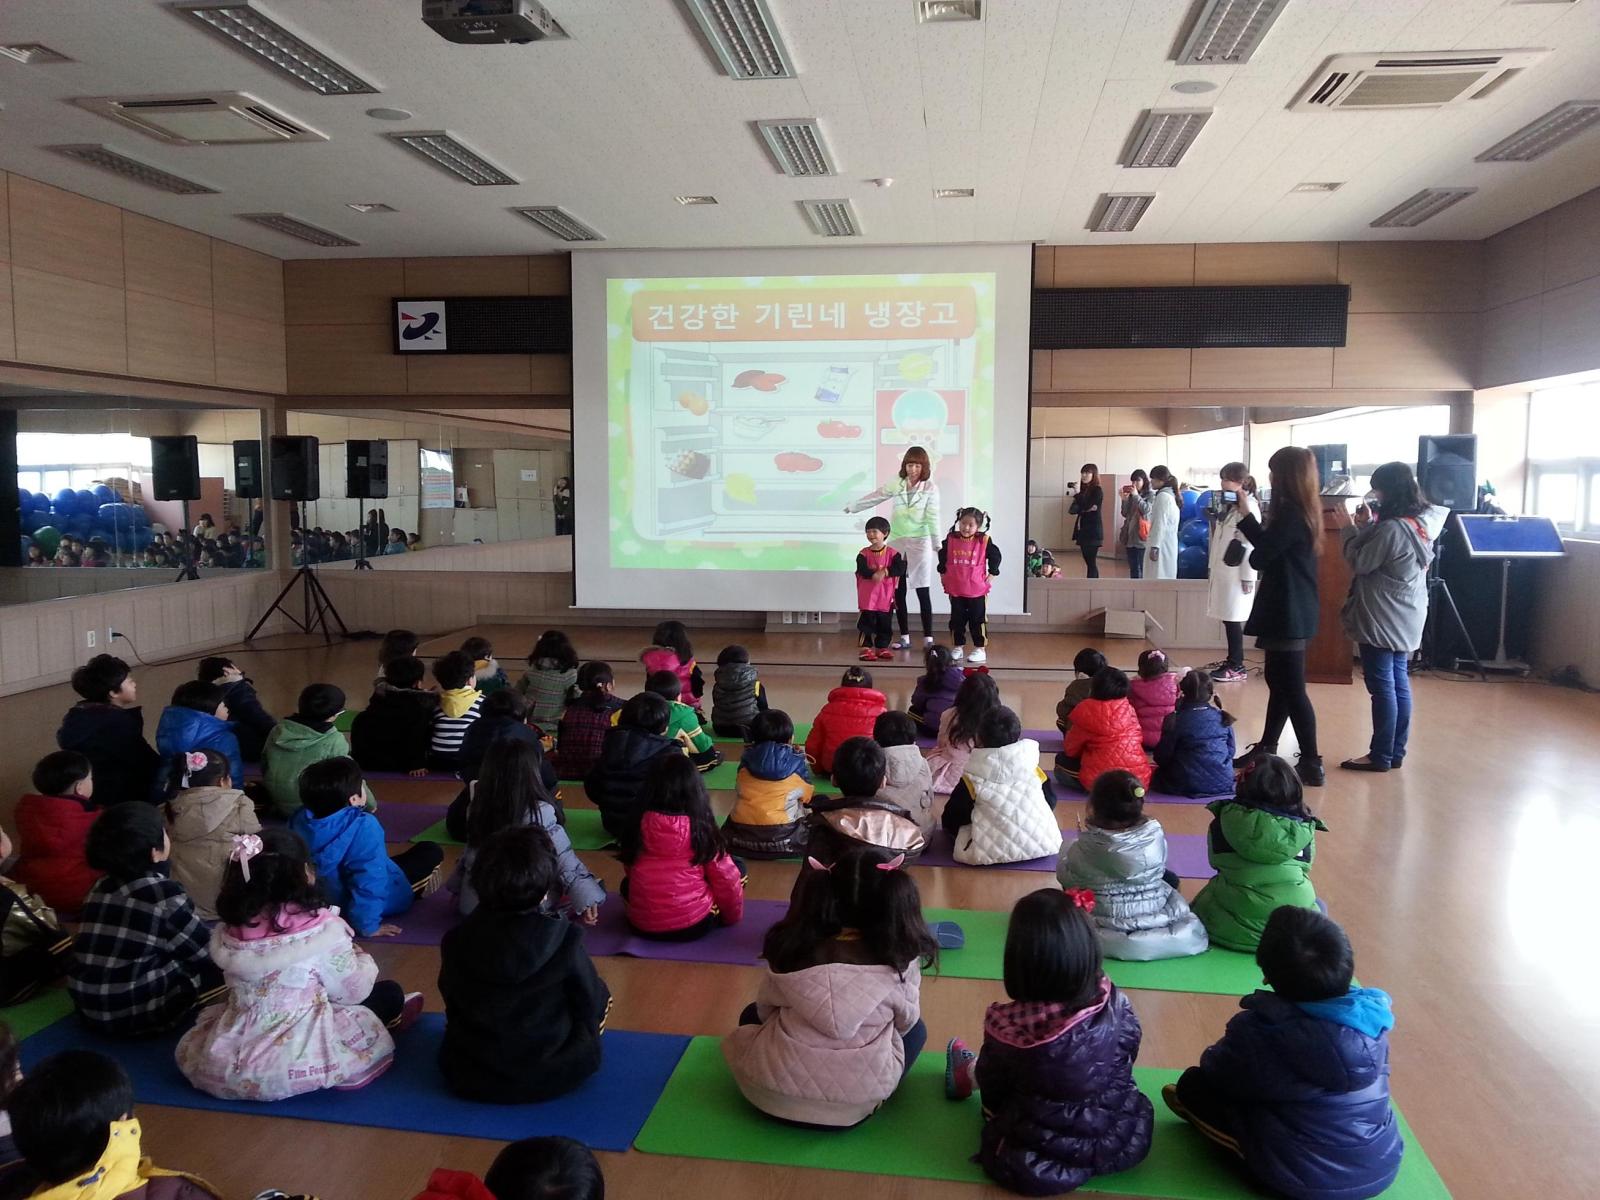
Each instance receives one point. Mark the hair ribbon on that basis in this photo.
(894, 864)
(193, 760)
(1081, 897)
(245, 847)
(1138, 792)
(815, 865)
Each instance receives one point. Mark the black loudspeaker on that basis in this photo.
(10, 515)
(1333, 463)
(296, 473)
(175, 467)
(1447, 470)
(247, 469)
(366, 470)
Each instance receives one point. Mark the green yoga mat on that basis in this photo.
(801, 730)
(583, 827)
(919, 1134)
(344, 721)
(725, 776)
(27, 1018)
(1216, 972)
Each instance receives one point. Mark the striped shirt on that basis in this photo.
(448, 731)
(136, 962)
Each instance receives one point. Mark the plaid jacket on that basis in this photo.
(580, 735)
(137, 958)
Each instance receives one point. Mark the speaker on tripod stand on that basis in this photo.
(366, 471)
(295, 476)
(1447, 468)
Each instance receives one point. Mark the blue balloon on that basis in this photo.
(1192, 563)
(1203, 501)
(24, 499)
(41, 502)
(32, 521)
(86, 500)
(104, 494)
(1186, 506)
(77, 524)
(66, 502)
(1194, 533)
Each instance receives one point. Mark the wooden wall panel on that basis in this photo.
(1572, 246)
(1122, 266)
(468, 373)
(1508, 349)
(551, 374)
(59, 233)
(1266, 262)
(1408, 350)
(1411, 277)
(170, 340)
(5, 217)
(341, 291)
(342, 358)
(1513, 264)
(250, 353)
(505, 275)
(246, 283)
(8, 333)
(163, 260)
(1290, 367)
(1040, 381)
(549, 274)
(70, 322)
(1118, 370)
(1569, 329)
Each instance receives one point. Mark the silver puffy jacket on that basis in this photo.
(1140, 917)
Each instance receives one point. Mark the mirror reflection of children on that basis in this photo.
(878, 569)
(1041, 563)
(966, 560)
(917, 525)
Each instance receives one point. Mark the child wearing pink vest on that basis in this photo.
(877, 568)
(966, 560)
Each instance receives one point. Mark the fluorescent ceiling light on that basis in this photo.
(743, 37)
(1119, 212)
(954, 193)
(443, 149)
(1537, 138)
(1228, 32)
(32, 54)
(1319, 187)
(284, 223)
(797, 147)
(688, 201)
(1164, 137)
(1424, 206)
(131, 168)
(253, 31)
(369, 208)
(831, 218)
(929, 11)
(557, 220)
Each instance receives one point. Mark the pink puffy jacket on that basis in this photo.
(664, 658)
(1153, 702)
(666, 891)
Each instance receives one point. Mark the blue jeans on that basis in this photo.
(1388, 679)
(1136, 557)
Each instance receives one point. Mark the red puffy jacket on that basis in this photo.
(666, 891)
(1105, 735)
(51, 833)
(849, 712)
(445, 1184)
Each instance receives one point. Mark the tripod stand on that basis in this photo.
(316, 606)
(1440, 603)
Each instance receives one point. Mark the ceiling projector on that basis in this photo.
(490, 22)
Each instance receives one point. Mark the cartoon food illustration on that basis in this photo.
(837, 429)
(690, 464)
(793, 460)
(762, 381)
(915, 366)
(755, 427)
(694, 402)
(739, 488)
(831, 389)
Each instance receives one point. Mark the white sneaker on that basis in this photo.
(957, 654)
(905, 642)
(978, 656)
(927, 641)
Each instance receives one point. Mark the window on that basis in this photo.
(1564, 456)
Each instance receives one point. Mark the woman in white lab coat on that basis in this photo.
(915, 530)
(1164, 512)
(1233, 588)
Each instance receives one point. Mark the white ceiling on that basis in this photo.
(1031, 107)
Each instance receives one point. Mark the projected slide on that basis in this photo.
(744, 413)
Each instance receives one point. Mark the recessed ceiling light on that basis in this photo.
(1194, 87)
(252, 31)
(1119, 212)
(690, 200)
(797, 147)
(374, 207)
(1537, 138)
(954, 193)
(32, 54)
(557, 220)
(1228, 32)
(744, 38)
(131, 168)
(1164, 137)
(284, 223)
(831, 218)
(1317, 187)
(1424, 206)
(445, 150)
(389, 114)
(949, 10)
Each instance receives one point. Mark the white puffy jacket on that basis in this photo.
(1010, 820)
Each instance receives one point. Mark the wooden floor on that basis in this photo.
(1464, 882)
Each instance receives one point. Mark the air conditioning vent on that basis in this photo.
(217, 119)
(831, 218)
(1384, 81)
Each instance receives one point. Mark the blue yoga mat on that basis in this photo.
(606, 1113)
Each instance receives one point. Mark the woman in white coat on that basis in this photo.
(1164, 512)
(1233, 588)
(915, 530)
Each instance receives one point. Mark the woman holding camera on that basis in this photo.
(1135, 531)
(1232, 578)
(1088, 528)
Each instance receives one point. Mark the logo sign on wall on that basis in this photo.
(420, 326)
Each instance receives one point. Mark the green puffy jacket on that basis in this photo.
(1263, 859)
(291, 748)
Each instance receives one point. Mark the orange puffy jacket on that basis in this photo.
(1105, 736)
(850, 712)
(51, 834)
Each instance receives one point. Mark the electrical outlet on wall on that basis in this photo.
(90, 634)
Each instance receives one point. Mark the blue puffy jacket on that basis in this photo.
(1195, 754)
(354, 867)
(183, 729)
(1306, 1089)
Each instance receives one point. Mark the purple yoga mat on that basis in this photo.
(1186, 856)
(425, 923)
(737, 944)
(1049, 740)
(402, 822)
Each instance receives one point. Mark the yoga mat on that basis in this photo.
(918, 1134)
(737, 944)
(1049, 739)
(724, 777)
(423, 924)
(44, 1009)
(1186, 855)
(253, 771)
(345, 722)
(605, 1113)
(1063, 788)
(583, 827)
(404, 822)
(802, 729)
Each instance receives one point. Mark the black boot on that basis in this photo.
(1248, 758)
(1310, 771)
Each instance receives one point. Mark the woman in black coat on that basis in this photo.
(1284, 616)
(1089, 528)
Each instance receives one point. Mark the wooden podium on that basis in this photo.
(1329, 654)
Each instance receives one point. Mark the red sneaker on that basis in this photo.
(885, 655)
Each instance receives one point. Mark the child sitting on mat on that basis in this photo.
(510, 792)
(459, 705)
(503, 718)
(936, 687)
(683, 724)
(551, 680)
(392, 732)
(1086, 664)
(1195, 754)
(860, 814)
(1153, 693)
(397, 643)
(849, 712)
(629, 750)
(837, 1020)
(308, 735)
(585, 720)
(681, 882)
(669, 650)
(1105, 734)
(737, 695)
(53, 828)
(347, 846)
(139, 963)
(958, 729)
(204, 814)
(1003, 810)
(33, 952)
(251, 721)
(1121, 856)
(73, 1123)
(305, 1008)
(524, 1007)
(1056, 1071)
(1298, 1087)
(541, 1168)
(197, 719)
(107, 728)
(487, 674)
(907, 778)
(771, 792)
(1262, 844)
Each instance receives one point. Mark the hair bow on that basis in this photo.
(1157, 656)
(1138, 792)
(245, 847)
(1081, 897)
(193, 760)
(816, 865)
(894, 864)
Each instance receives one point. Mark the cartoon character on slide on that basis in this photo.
(916, 527)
